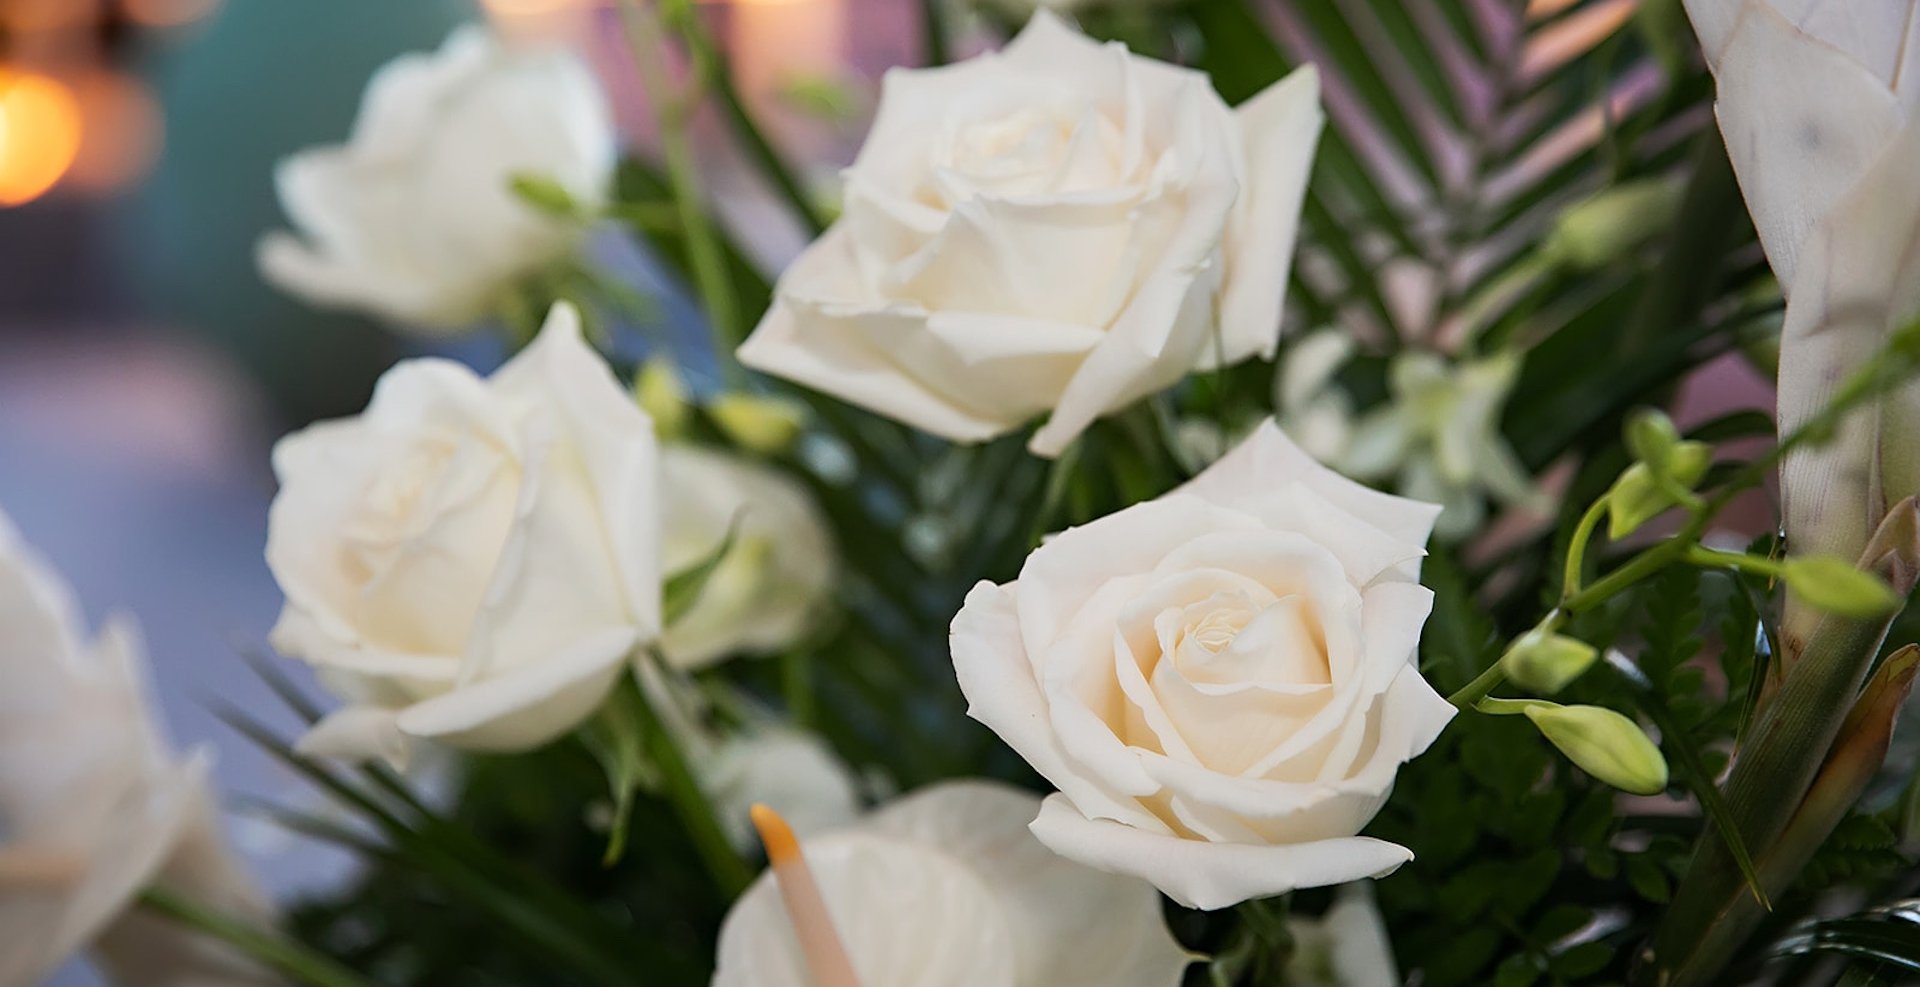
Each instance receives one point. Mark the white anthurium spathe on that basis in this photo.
(1059, 228)
(94, 806)
(1819, 101)
(945, 887)
(777, 764)
(1221, 682)
(414, 219)
(777, 574)
(1346, 947)
(1439, 438)
(471, 561)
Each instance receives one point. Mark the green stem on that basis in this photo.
(684, 19)
(730, 874)
(1713, 559)
(933, 25)
(270, 949)
(1577, 548)
(671, 111)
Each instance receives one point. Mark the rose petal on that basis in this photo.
(1211, 875)
(529, 705)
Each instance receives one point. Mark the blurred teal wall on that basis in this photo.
(262, 79)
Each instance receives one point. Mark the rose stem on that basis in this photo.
(819, 943)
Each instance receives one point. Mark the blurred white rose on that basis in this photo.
(775, 577)
(1819, 101)
(413, 220)
(1221, 682)
(789, 769)
(1062, 227)
(946, 888)
(470, 560)
(94, 807)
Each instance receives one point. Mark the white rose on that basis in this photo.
(414, 219)
(1820, 105)
(1060, 227)
(1221, 682)
(946, 888)
(93, 805)
(780, 766)
(774, 578)
(470, 560)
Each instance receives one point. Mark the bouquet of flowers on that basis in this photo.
(1200, 510)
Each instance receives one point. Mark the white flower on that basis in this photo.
(470, 560)
(946, 888)
(775, 576)
(1061, 227)
(1312, 409)
(1819, 101)
(93, 805)
(1221, 682)
(780, 766)
(1440, 436)
(1346, 947)
(414, 219)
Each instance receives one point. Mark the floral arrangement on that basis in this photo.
(1199, 512)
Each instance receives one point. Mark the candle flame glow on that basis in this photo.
(39, 134)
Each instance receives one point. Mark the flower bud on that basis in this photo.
(1604, 744)
(1636, 497)
(1652, 438)
(1593, 232)
(759, 424)
(662, 395)
(1835, 586)
(1545, 663)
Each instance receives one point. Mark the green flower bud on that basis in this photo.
(1651, 438)
(760, 424)
(1593, 232)
(1545, 663)
(1604, 744)
(1832, 584)
(1636, 497)
(661, 393)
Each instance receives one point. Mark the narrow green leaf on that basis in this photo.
(682, 589)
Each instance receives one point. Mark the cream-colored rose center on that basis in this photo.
(1058, 147)
(422, 540)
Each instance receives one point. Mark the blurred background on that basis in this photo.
(145, 368)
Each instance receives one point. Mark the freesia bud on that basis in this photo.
(1652, 438)
(1545, 663)
(1594, 232)
(1636, 497)
(1832, 584)
(1604, 744)
(760, 424)
(662, 395)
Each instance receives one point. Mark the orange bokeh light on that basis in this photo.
(167, 13)
(39, 134)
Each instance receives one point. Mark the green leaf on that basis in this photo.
(682, 589)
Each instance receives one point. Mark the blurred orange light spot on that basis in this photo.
(121, 135)
(167, 13)
(39, 134)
